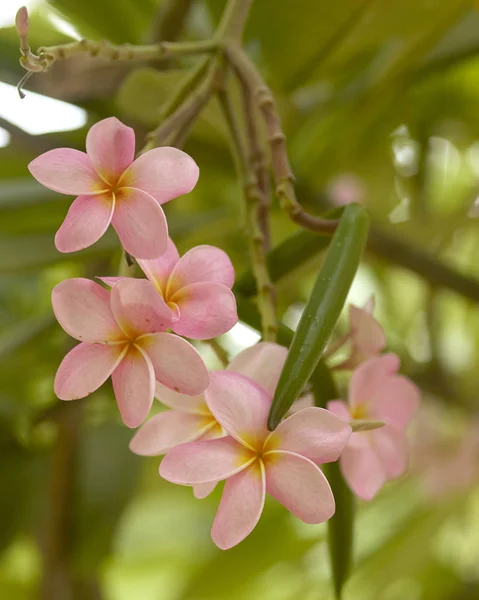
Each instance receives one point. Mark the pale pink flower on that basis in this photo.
(457, 471)
(196, 289)
(253, 460)
(346, 189)
(365, 335)
(448, 467)
(113, 187)
(190, 418)
(122, 334)
(377, 393)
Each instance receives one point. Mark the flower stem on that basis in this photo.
(179, 122)
(233, 21)
(251, 79)
(47, 55)
(252, 197)
(219, 351)
(257, 160)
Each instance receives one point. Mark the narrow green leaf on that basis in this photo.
(340, 527)
(341, 524)
(323, 309)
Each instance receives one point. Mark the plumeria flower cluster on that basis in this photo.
(378, 394)
(215, 426)
(132, 333)
(222, 436)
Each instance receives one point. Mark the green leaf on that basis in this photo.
(323, 309)
(341, 525)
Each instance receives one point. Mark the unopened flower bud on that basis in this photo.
(22, 22)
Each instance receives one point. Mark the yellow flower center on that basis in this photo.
(359, 411)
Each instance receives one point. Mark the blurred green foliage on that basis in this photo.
(380, 96)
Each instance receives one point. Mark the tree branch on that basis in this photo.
(233, 20)
(398, 251)
(252, 197)
(252, 79)
(257, 161)
(124, 52)
(178, 124)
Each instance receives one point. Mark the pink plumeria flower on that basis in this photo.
(377, 393)
(190, 419)
(113, 187)
(196, 289)
(122, 334)
(253, 460)
(346, 189)
(447, 470)
(366, 336)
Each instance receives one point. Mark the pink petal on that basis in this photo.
(367, 334)
(85, 368)
(111, 148)
(202, 490)
(190, 404)
(87, 220)
(314, 433)
(241, 506)
(206, 310)
(300, 486)
(395, 401)
(140, 223)
(369, 376)
(167, 429)
(82, 307)
(362, 470)
(139, 308)
(134, 387)
(164, 173)
(202, 264)
(240, 406)
(340, 409)
(67, 171)
(262, 363)
(204, 461)
(392, 450)
(158, 270)
(177, 364)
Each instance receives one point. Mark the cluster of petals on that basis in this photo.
(113, 187)
(195, 288)
(122, 334)
(189, 418)
(377, 392)
(254, 461)
(366, 336)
